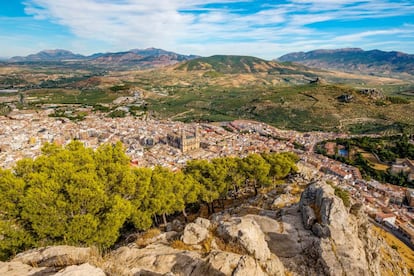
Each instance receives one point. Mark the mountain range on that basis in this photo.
(142, 58)
(355, 60)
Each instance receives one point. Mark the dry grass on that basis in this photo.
(180, 245)
(374, 162)
(230, 247)
(145, 238)
(404, 251)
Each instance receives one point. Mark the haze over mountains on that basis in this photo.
(354, 60)
(142, 58)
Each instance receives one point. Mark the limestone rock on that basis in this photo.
(308, 217)
(203, 222)
(175, 225)
(321, 231)
(163, 260)
(226, 263)
(81, 270)
(55, 256)
(194, 234)
(246, 232)
(18, 269)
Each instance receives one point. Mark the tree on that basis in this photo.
(256, 169)
(141, 215)
(76, 196)
(202, 171)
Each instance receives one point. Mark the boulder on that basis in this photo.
(81, 270)
(157, 260)
(247, 233)
(194, 234)
(203, 222)
(56, 256)
(18, 269)
(175, 225)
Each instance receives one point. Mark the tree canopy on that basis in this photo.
(79, 196)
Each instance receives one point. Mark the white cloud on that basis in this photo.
(192, 27)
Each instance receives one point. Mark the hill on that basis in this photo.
(355, 60)
(229, 64)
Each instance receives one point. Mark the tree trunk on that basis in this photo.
(164, 217)
(185, 215)
(156, 220)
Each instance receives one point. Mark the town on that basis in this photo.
(171, 144)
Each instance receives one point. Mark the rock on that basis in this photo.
(163, 260)
(81, 270)
(194, 234)
(18, 269)
(283, 200)
(226, 263)
(321, 231)
(247, 233)
(55, 256)
(203, 222)
(308, 217)
(175, 225)
(266, 224)
(338, 249)
(155, 258)
(356, 209)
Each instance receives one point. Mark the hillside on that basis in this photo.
(354, 60)
(228, 64)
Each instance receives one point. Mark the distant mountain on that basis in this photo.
(48, 55)
(141, 58)
(374, 62)
(228, 64)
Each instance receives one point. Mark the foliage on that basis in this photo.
(75, 195)
(344, 195)
(386, 149)
(117, 114)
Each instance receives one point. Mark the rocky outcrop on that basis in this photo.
(81, 270)
(196, 232)
(246, 232)
(162, 259)
(317, 236)
(56, 256)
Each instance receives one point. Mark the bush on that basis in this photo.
(344, 195)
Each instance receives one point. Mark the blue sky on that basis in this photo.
(266, 29)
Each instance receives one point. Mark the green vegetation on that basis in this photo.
(223, 88)
(117, 114)
(374, 156)
(74, 195)
(301, 107)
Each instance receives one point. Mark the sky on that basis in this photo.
(266, 29)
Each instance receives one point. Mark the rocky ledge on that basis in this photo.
(317, 235)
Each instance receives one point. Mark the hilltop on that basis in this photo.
(356, 60)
